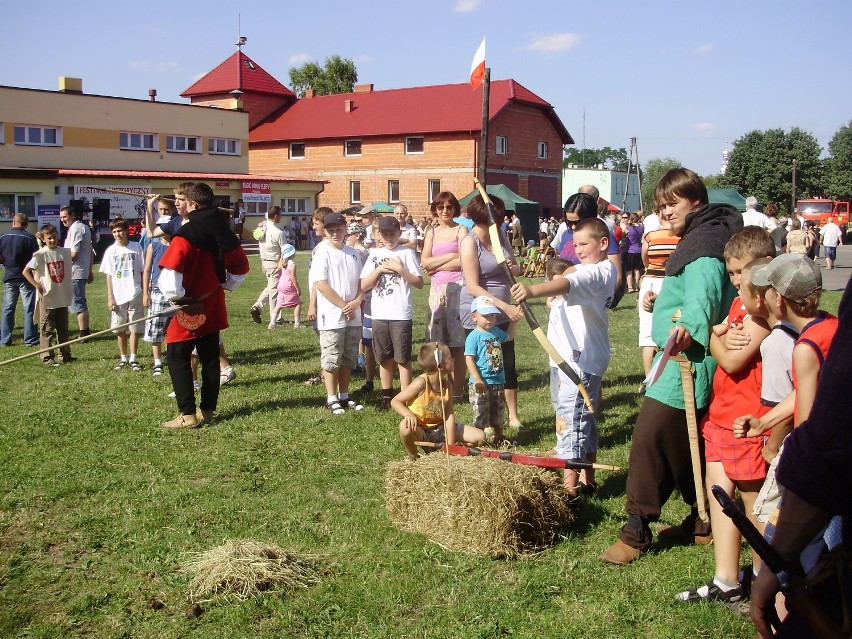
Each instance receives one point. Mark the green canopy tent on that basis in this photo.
(727, 196)
(527, 211)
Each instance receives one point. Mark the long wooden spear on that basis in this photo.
(517, 458)
(148, 195)
(497, 248)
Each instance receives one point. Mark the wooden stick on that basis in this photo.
(168, 198)
(693, 434)
(518, 458)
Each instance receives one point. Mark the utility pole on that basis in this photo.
(793, 199)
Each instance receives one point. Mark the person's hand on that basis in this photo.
(682, 339)
(747, 426)
(520, 292)
(312, 312)
(111, 305)
(514, 313)
(648, 302)
(409, 422)
(392, 265)
(735, 339)
(763, 590)
(91, 277)
(479, 386)
(349, 310)
(146, 299)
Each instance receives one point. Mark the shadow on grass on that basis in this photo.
(274, 354)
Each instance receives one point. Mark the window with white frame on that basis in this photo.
(393, 191)
(542, 150)
(137, 141)
(183, 144)
(257, 208)
(352, 148)
(501, 145)
(355, 192)
(434, 188)
(414, 145)
(223, 146)
(11, 203)
(38, 135)
(294, 205)
(297, 150)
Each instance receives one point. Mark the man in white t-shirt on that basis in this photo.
(830, 237)
(79, 240)
(270, 254)
(408, 232)
(753, 217)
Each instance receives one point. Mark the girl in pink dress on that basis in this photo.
(289, 293)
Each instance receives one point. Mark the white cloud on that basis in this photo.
(554, 43)
(705, 128)
(298, 59)
(466, 6)
(706, 47)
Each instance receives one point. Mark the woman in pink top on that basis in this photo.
(440, 259)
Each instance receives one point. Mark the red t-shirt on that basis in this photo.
(818, 334)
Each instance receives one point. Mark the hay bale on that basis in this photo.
(242, 568)
(479, 505)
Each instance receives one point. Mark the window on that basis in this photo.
(11, 203)
(256, 208)
(352, 148)
(502, 144)
(294, 205)
(297, 150)
(434, 189)
(183, 144)
(414, 145)
(393, 191)
(355, 192)
(542, 150)
(138, 141)
(223, 146)
(38, 135)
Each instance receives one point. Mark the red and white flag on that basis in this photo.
(477, 69)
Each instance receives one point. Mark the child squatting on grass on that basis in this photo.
(427, 400)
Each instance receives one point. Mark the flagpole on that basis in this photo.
(483, 139)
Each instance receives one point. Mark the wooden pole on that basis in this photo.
(482, 164)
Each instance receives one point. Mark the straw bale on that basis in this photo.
(242, 568)
(476, 504)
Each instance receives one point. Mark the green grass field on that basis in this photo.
(99, 506)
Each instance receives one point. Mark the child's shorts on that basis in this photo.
(155, 328)
(576, 426)
(128, 312)
(339, 348)
(770, 493)
(488, 406)
(436, 435)
(740, 458)
(392, 340)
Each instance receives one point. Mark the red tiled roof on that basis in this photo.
(432, 109)
(229, 75)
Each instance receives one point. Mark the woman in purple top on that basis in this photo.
(440, 259)
(482, 276)
(633, 255)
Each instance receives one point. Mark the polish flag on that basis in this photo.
(477, 68)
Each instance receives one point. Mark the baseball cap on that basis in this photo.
(334, 218)
(388, 223)
(483, 305)
(288, 250)
(367, 210)
(794, 276)
(355, 228)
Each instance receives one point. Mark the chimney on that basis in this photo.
(348, 105)
(152, 95)
(363, 88)
(309, 93)
(70, 85)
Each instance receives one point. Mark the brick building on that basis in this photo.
(398, 145)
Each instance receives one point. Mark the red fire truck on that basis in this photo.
(819, 210)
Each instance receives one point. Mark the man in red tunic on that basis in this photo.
(203, 258)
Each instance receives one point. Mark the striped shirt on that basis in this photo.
(661, 243)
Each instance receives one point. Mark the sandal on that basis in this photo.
(313, 381)
(335, 408)
(351, 404)
(135, 366)
(714, 593)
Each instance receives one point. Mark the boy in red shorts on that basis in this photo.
(735, 464)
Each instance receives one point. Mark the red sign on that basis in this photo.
(223, 184)
(256, 187)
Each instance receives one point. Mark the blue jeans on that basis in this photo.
(11, 292)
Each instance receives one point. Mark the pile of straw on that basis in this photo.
(475, 504)
(241, 568)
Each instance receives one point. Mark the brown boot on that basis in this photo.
(689, 531)
(204, 417)
(620, 554)
(182, 421)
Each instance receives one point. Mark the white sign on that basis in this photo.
(130, 207)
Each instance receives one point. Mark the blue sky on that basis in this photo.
(682, 77)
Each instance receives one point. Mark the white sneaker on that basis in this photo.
(227, 376)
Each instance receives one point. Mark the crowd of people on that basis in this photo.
(735, 405)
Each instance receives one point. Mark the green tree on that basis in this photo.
(713, 181)
(615, 159)
(654, 170)
(761, 164)
(338, 75)
(838, 167)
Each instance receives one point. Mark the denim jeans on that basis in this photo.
(11, 292)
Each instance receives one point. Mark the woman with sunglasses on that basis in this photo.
(440, 260)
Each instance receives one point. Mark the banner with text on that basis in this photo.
(257, 192)
(130, 207)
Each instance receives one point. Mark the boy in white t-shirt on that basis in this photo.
(123, 263)
(588, 289)
(390, 272)
(49, 271)
(334, 275)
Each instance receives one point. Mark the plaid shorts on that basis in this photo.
(155, 328)
(741, 458)
(488, 407)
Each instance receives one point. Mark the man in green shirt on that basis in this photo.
(696, 294)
